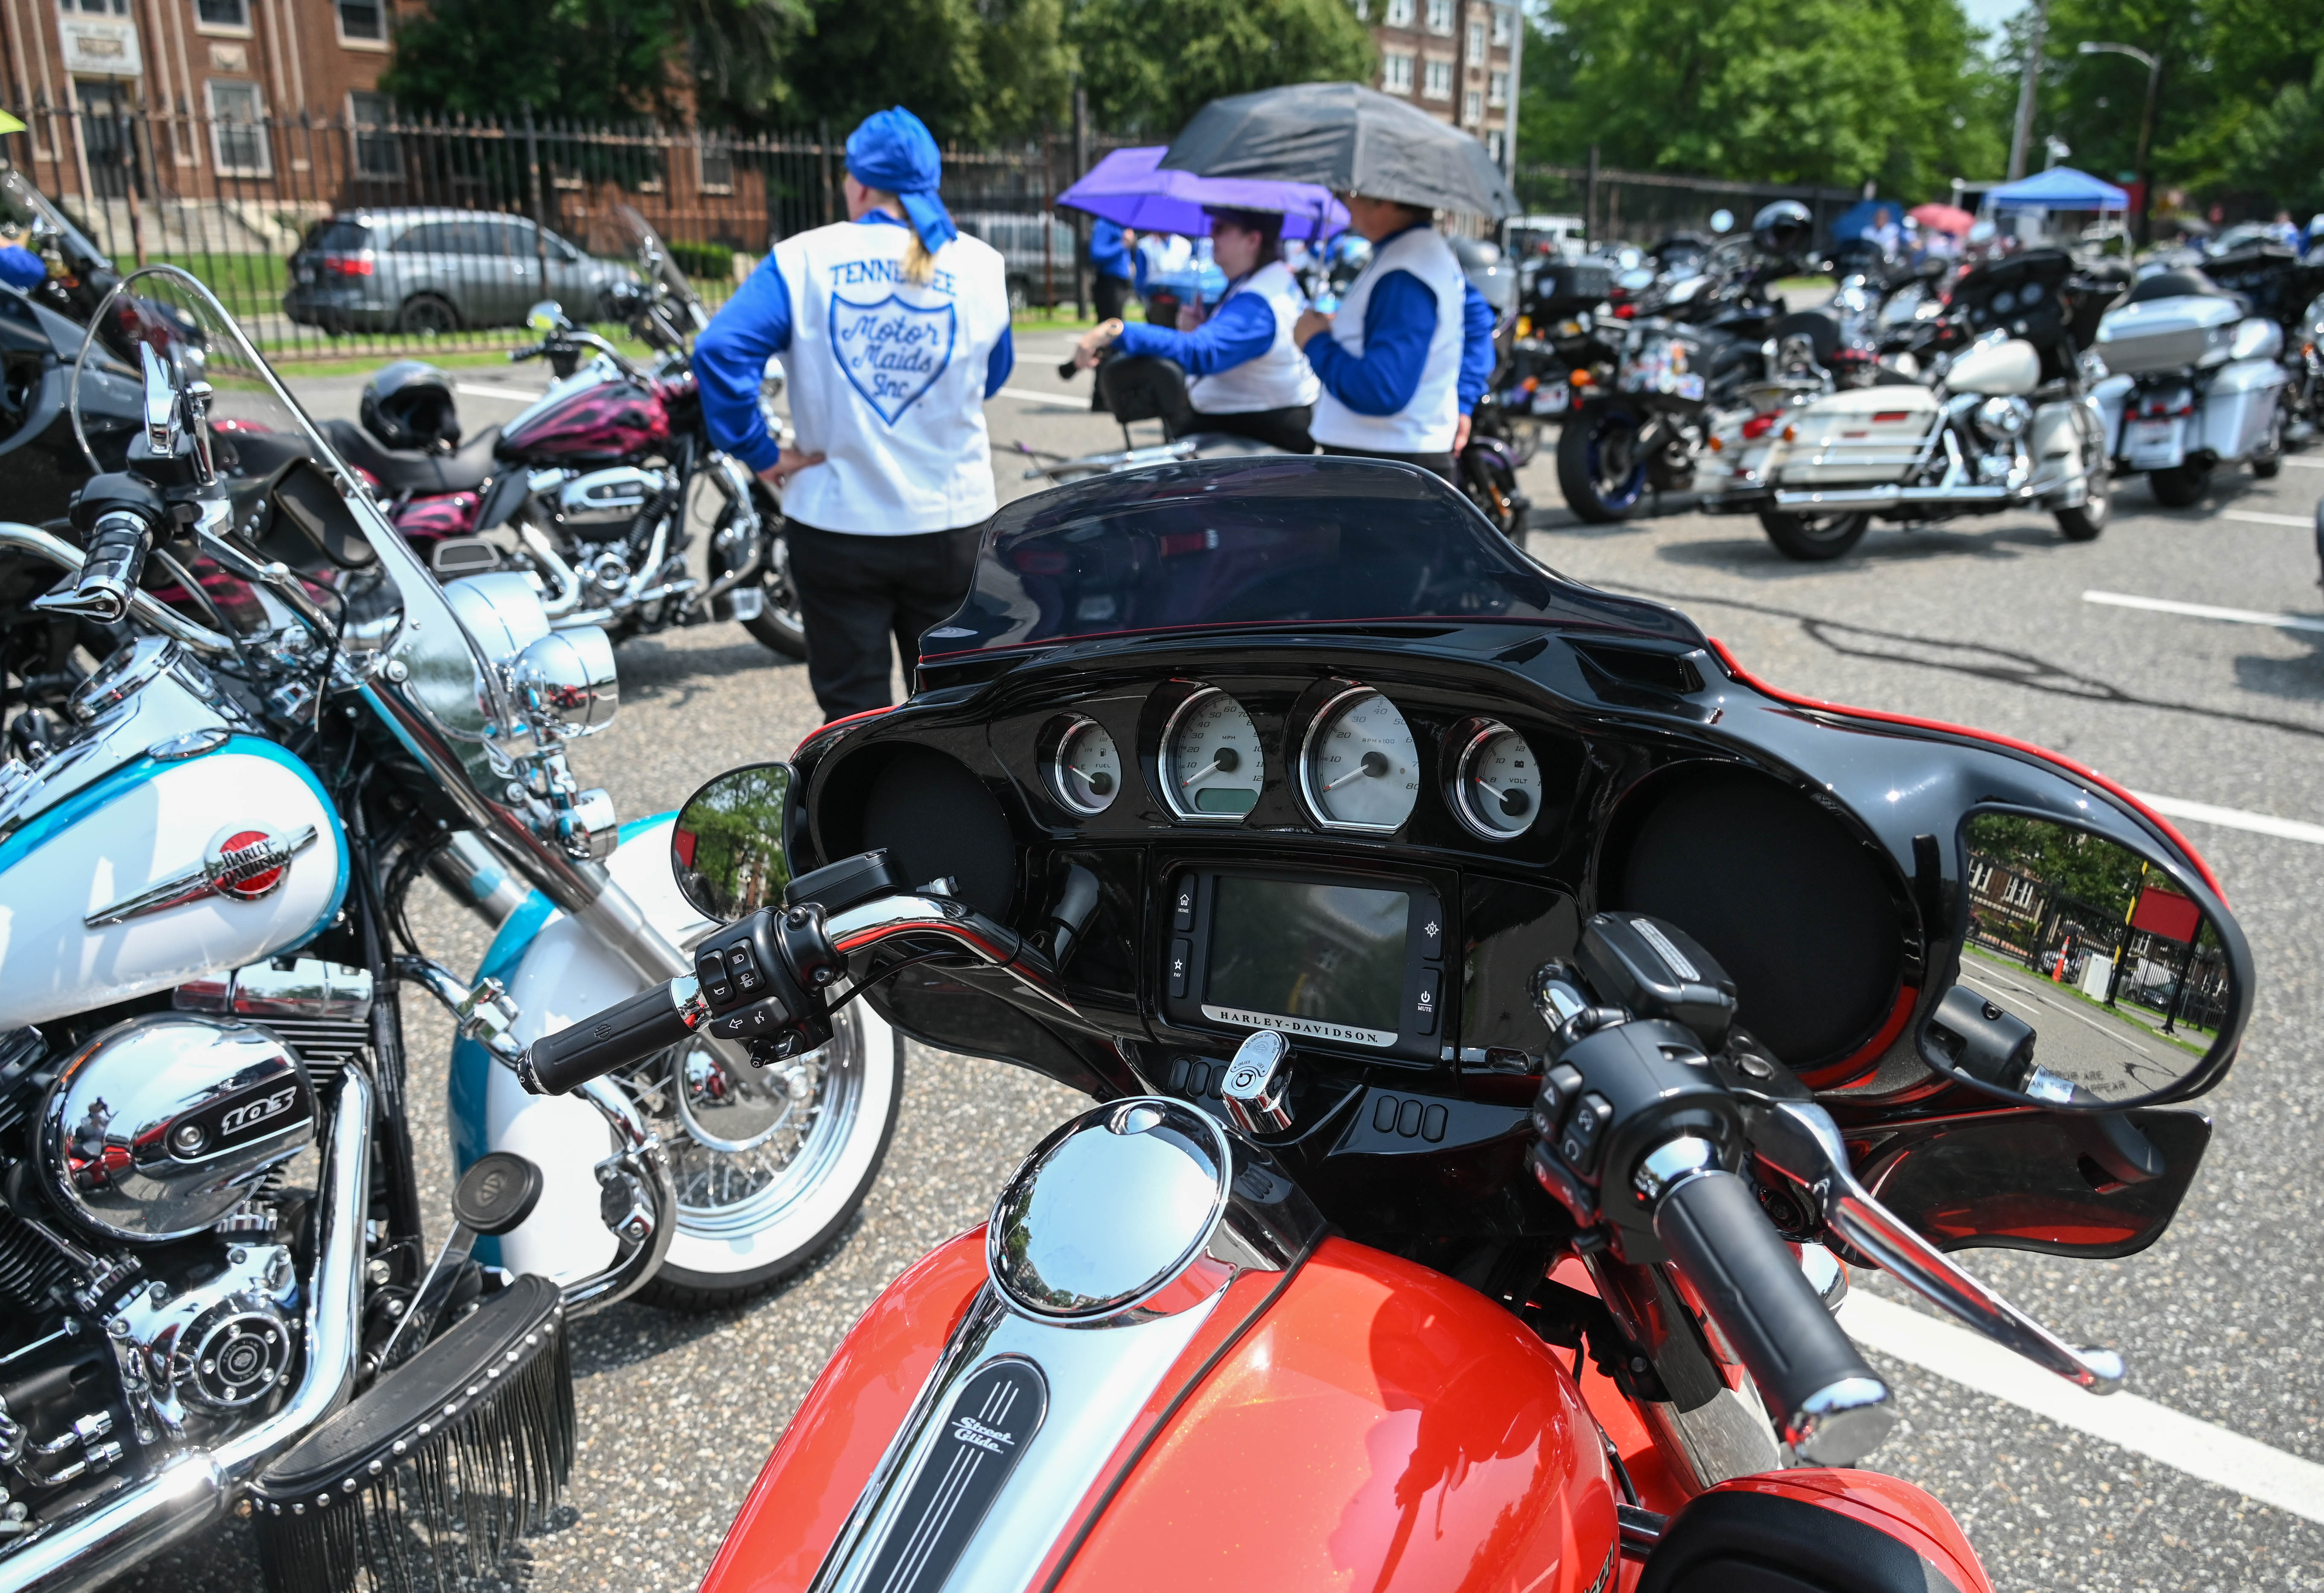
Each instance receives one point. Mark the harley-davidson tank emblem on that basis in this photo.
(243, 862)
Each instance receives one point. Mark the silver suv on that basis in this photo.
(1032, 279)
(432, 270)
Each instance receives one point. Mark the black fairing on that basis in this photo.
(1810, 849)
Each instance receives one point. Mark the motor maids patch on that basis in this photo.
(892, 352)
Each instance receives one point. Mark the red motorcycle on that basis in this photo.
(1508, 1019)
(591, 491)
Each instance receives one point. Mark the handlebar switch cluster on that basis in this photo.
(761, 978)
(1655, 970)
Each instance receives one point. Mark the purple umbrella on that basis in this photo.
(1127, 187)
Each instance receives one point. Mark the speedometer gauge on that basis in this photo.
(1212, 767)
(1085, 770)
(1497, 790)
(1359, 769)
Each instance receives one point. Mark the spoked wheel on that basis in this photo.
(1814, 538)
(2267, 460)
(770, 1164)
(2085, 523)
(779, 624)
(1599, 466)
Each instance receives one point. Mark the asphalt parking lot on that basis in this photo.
(1990, 622)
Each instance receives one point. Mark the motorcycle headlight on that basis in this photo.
(2004, 417)
(566, 680)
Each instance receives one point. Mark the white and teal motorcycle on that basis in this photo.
(242, 719)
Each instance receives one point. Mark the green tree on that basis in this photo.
(1149, 65)
(1829, 91)
(974, 73)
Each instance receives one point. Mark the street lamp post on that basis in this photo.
(2145, 126)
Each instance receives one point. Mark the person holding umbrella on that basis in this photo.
(897, 330)
(1249, 378)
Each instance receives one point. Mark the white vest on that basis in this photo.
(887, 380)
(1426, 424)
(1279, 379)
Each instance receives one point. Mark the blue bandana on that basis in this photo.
(894, 153)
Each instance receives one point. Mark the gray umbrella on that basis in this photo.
(1347, 138)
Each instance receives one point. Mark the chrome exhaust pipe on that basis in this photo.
(196, 1489)
(559, 608)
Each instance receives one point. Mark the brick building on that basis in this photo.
(1457, 59)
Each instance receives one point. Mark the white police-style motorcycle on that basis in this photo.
(211, 1232)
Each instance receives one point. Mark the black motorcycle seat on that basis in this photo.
(2187, 281)
(409, 470)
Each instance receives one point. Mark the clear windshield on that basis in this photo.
(655, 264)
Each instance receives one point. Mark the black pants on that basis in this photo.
(1285, 429)
(1441, 463)
(856, 591)
(1112, 294)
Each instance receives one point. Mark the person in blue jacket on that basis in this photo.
(897, 329)
(1408, 352)
(1110, 247)
(1249, 376)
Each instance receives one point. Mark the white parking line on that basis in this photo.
(2204, 610)
(2234, 818)
(524, 395)
(2185, 1444)
(1059, 401)
(2304, 463)
(2257, 517)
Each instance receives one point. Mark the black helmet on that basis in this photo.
(1784, 228)
(408, 405)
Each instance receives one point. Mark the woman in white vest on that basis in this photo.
(1396, 384)
(895, 330)
(1250, 377)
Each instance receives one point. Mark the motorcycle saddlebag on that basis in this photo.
(1858, 437)
(1814, 1531)
(2238, 401)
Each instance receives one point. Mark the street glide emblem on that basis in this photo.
(243, 863)
(997, 1413)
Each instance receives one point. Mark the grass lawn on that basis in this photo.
(2123, 1011)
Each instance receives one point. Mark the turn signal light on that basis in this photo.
(1580, 378)
(1791, 434)
(1757, 427)
(1716, 445)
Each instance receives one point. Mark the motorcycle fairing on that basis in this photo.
(1822, 1531)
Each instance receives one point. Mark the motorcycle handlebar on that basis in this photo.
(655, 1019)
(1834, 1409)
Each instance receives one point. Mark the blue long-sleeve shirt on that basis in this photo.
(1399, 321)
(1241, 329)
(730, 358)
(1109, 254)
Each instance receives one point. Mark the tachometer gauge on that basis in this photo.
(1212, 767)
(1498, 788)
(1359, 769)
(1085, 770)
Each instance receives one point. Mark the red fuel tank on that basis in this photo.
(604, 423)
(1372, 1425)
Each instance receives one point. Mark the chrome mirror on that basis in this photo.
(2093, 976)
(566, 680)
(726, 848)
(546, 316)
(1722, 220)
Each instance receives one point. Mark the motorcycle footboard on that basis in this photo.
(432, 1475)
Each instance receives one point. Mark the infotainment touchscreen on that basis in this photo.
(1320, 960)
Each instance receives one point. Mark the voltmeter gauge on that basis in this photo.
(1085, 769)
(1498, 789)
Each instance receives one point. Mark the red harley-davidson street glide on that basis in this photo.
(1506, 1017)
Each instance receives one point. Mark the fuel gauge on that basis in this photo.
(1498, 788)
(1085, 770)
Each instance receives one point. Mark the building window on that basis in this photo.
(368, 115)
(1397, 67)
(237, 141)
(229, 16)
(1980, 876)
(1495, 146)
(1500, 28)
(1498, 94)
(363, 22)
(1476, 42)
(1399, 13)
(1438, 84)
(94, 7)
(717, 170)
(2020, 892)
(1440, 17)
(1472, 108)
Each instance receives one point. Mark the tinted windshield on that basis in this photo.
(1270, 542)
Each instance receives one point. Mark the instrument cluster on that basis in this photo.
(1344, 755)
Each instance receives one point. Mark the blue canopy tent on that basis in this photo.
(2060, 187)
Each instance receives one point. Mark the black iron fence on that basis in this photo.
(347, 236)
(1642, 207)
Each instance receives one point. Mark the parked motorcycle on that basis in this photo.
(2194, 384)
(596, 482)
(2008, 423)
(210, 1223)
(1462, 1201)
(2289, 291)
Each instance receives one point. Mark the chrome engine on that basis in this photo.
(157, 1247)
(600, 505)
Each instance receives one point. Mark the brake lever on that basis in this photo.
(1798, 1140)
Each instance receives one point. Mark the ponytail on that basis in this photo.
(919, 265)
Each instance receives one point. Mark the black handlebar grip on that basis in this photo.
(1830, 1406)
(652, 1020)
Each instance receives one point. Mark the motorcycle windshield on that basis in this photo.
(1248, 543)
(655, 265)
(294, 498)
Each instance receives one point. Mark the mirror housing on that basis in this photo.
(547, 318)
(726, 848)
(566, 680)
(2093, 975)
